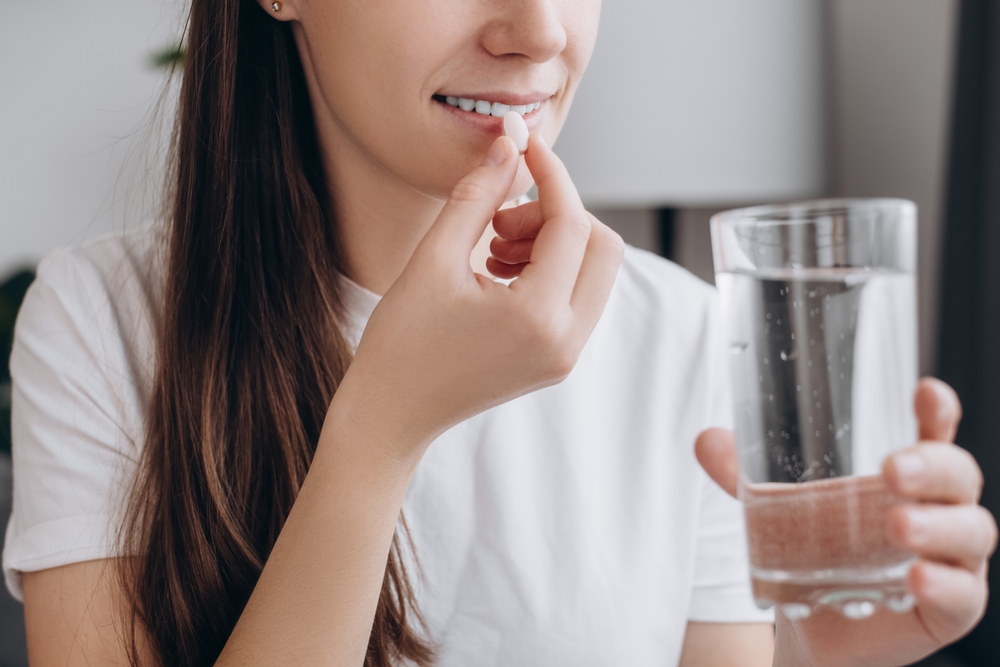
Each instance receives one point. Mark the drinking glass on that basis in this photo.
(819, 303)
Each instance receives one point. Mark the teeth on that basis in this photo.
(487, 108)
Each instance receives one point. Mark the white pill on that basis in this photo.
(514, 127)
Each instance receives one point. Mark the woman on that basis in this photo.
(206, 475)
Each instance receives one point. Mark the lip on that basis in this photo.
(491, 124)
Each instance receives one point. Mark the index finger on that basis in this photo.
(562, 241)
(471, 205)
(934, 472)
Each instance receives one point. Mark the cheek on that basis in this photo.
(371, 67)
(580, 19)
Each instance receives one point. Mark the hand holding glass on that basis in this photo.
(819, 301)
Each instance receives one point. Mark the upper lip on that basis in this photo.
(502, 97)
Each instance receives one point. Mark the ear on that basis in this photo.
(283, 10)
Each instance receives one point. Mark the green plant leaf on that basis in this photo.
(170, 56)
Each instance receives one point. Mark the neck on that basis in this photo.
(380, 220)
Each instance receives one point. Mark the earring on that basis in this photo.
(275, 6)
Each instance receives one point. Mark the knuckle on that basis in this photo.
(977, 473)
(563, 360)
(992, 533)
(470, 189)
(611, 239)
(547, 332)
(534, 323)
(544, 330)
(970, 473)
(579, 227)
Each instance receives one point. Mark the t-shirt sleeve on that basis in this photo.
(721, 583)
(71, 407)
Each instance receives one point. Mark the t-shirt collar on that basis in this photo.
(359, 302)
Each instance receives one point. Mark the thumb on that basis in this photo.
(938, 410)
(715, 450)
(472, 204)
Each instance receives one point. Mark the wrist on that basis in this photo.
(365, 425)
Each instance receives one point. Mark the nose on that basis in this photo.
(530, 28)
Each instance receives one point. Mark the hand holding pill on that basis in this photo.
(456, 342)
(517, 228)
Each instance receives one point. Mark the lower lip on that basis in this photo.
(490, 125)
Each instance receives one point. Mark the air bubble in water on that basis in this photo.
(858, 610)
(796, 611)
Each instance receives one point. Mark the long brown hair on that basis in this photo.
(248, 350)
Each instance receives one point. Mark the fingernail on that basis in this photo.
(498, 153)
(908, 467)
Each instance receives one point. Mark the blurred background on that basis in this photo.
(688, 108)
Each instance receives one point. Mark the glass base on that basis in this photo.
(854, 592)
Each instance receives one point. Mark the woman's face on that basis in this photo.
(382, 71)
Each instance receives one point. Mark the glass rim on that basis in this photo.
(810, 210)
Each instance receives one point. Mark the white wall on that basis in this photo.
(700, 102)
(75, 85)
(889, 75)
(892, 69)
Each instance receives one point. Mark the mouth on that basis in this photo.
(487, 107)
(484, 111)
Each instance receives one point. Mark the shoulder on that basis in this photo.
(111, 268)
(109, 285)
(80, 367)
(87, 320)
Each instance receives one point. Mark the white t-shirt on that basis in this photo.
(571, 526)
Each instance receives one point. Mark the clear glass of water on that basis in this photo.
(819, 301)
